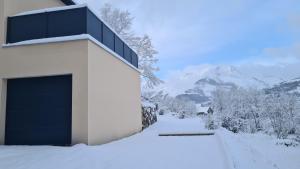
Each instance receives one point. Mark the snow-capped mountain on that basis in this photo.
(197, 83)
(203, 89)
(291, 86)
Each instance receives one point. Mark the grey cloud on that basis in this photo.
(292, 51)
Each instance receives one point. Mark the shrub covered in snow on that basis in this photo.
(148, 117)
(149, 111)
(181, 116)
(233, 124)
(251, 110)
(210, 122)
(287, 142)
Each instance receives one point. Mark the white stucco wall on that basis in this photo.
(114, 97)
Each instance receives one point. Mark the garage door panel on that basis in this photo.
(39, 138)
(39, 111)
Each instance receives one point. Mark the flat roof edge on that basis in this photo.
(60, 8)
(70, 38)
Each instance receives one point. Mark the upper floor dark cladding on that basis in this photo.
(67, 22)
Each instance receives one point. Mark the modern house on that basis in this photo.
(203, 110)
(65, 76)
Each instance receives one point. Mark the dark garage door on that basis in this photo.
(39, 110)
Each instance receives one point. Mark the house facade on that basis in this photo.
(65, 76)
(202, 110)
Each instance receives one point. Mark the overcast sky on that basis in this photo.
(235, 32)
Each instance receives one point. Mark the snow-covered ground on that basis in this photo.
(259, 151)
(147, 150)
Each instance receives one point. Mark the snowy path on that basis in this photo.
(142, 151)
(248, 151)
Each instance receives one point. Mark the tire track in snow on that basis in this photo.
(224, 148)
(246, 151)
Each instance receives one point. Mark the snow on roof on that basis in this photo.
(71, 38)
(60, 8)
(199, 108)
(147, 103)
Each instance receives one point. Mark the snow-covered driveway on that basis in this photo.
(145, 150)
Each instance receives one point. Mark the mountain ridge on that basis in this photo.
(197, 84)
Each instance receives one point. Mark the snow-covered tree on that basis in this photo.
(280, 109)
(172, 104)
(229, 109)
(121, 22)
(218, 101)
(251, 110)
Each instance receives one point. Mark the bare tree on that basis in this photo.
(121, 22)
